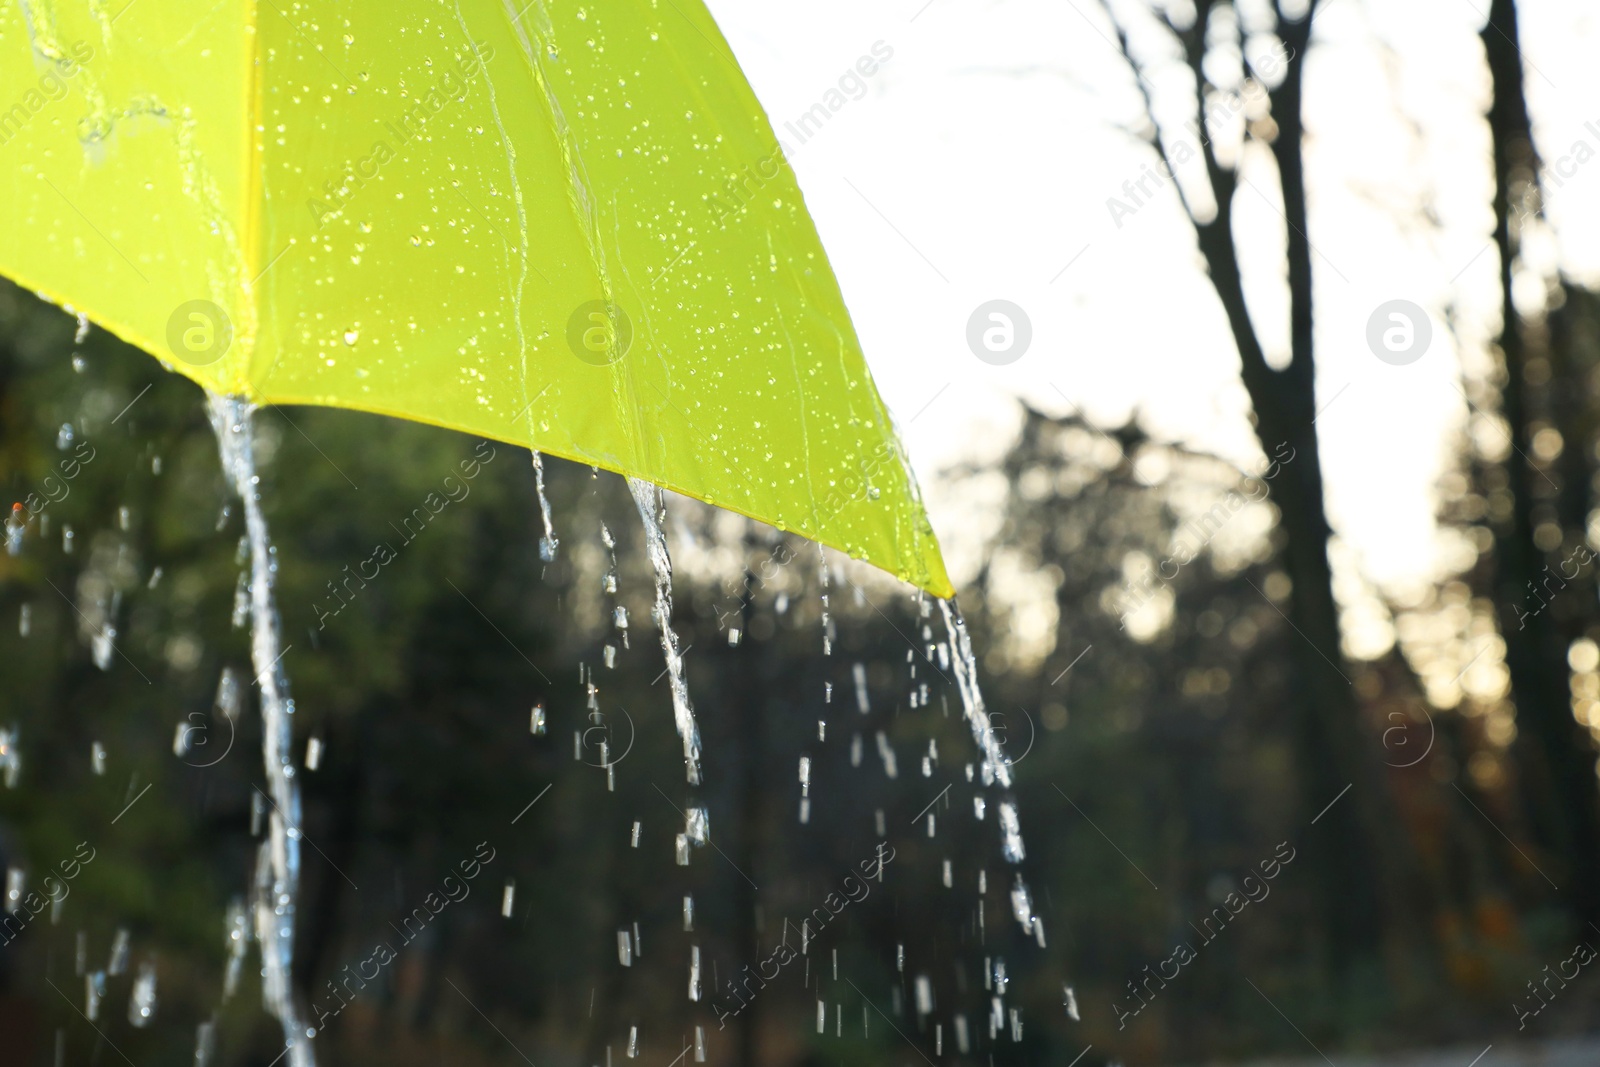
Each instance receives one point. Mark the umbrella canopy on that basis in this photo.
(562, 225)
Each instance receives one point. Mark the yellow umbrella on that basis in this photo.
(562, 225)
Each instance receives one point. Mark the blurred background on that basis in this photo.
(1272, 507)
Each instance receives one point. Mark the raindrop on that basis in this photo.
(508, 898)
(1011, 832)
(625, 947)
(697, 825)
(230, 695)
(25, 620)
(97, 763)
(10, 756)
(94, 990)
(15, 525)
(633, 838)
(205, 1044)
(119, 952)
(313, 753)
(238, 939)
(351, 336)
(890, 767)
(142, 1005)
(241, 601)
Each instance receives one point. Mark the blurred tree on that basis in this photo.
(1546, 398)
(1367, 881)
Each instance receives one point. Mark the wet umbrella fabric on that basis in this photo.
(566, 226)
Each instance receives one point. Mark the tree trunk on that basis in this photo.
(1555, 755)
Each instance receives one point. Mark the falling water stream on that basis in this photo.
(996, 769)
(652, 511)
(278, 863)
(277, 874)
(549, 542)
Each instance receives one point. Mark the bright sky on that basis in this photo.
(977, 165)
